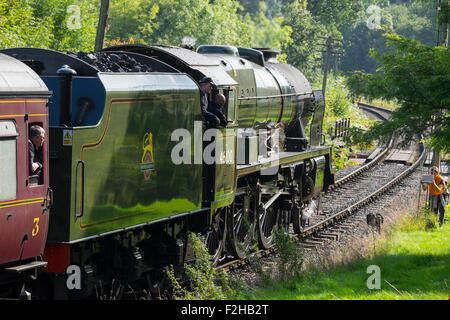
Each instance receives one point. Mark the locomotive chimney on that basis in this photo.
(65, 74)
(270, 55)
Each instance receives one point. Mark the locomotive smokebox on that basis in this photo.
(65, 74)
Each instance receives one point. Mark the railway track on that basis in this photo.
(335, 213)
(378, 113)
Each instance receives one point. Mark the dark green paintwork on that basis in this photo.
(116, 193)
(247, 88)
(225, 179)
(256, 81)
(268, 108)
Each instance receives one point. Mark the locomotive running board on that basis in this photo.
(282, 158)
(27, 266)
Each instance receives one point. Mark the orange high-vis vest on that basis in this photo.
(439, 182)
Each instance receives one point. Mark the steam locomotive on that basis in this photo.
(125, 172)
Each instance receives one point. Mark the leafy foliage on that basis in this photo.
(291, 256)
(197, 19)
(412, 19)
(19, 27)
(74, 22)
(423, 219)
(287, 264)
(293, 26)
(204, 281)
(339, 106)
(268, 33)
(417, 76)
(334, 13)
(221, 22)
(302, 51)
(48, 24)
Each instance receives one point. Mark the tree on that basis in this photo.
(216, 23)
(21, 28)
(417, 77)
(50, 24)
(169, 21)
(127, 18)
(412, 19)
(332, 13)
(303, 51)
(74, 22)
(220, 22)
(268, 33)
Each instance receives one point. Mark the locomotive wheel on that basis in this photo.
(241, 225)
(301, 215)
(297, 222)
(215, 237)
(267, 220)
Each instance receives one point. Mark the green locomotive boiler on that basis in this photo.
(130, 158)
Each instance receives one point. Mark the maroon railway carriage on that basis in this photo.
(24, 198)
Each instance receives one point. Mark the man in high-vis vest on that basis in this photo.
(437, 199)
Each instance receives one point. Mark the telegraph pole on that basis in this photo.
(100, 37)
(330, 45)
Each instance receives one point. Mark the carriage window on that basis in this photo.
(36, 139)
(231, 106)
(8, 168)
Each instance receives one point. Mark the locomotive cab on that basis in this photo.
(229, 109)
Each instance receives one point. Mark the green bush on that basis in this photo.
(203, 282)
(339, 106)
(64, 25)
(291, 256)
(423, 219)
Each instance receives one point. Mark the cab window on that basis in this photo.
(231, 105)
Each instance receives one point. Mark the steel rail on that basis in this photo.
(364, 168)
(369, 165)
(361, 203)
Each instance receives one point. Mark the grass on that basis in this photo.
(414, 263)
